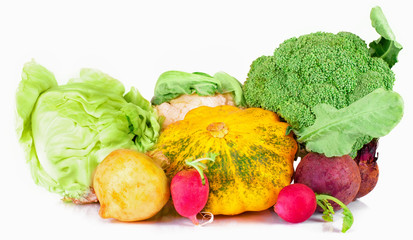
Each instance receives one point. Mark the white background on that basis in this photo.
(135, 42)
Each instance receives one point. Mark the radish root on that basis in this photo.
(207, 218)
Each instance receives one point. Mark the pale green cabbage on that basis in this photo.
(67, 130)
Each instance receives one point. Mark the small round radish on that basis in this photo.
(296, 203)
(190, 189)
(189, 195)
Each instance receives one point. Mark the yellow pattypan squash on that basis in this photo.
(255, 156)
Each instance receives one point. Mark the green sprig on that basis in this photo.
(323, 202)
(200, 166)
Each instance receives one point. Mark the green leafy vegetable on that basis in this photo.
(231, 84)
(323, 202)
(386, 47)
(335, 131)
(67, 130)
(319, 68)
(172, 84)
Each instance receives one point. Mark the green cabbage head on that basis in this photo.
(67, 130)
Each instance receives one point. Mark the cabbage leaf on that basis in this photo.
(172, 84)
(67, 130)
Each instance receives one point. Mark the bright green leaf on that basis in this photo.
(335, 131)
(386, 47)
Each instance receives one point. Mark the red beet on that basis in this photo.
(366, 160)
(296, 203)
(189, 195)
(336, 176)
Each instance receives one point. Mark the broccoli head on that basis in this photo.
(316, 68)
(335, 69)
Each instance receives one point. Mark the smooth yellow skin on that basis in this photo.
(130, 186)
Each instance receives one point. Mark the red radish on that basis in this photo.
(296, 203)
(190, 189)
(189, 195)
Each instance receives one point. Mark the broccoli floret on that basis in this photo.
(335, 69)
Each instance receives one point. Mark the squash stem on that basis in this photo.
(200, 166)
